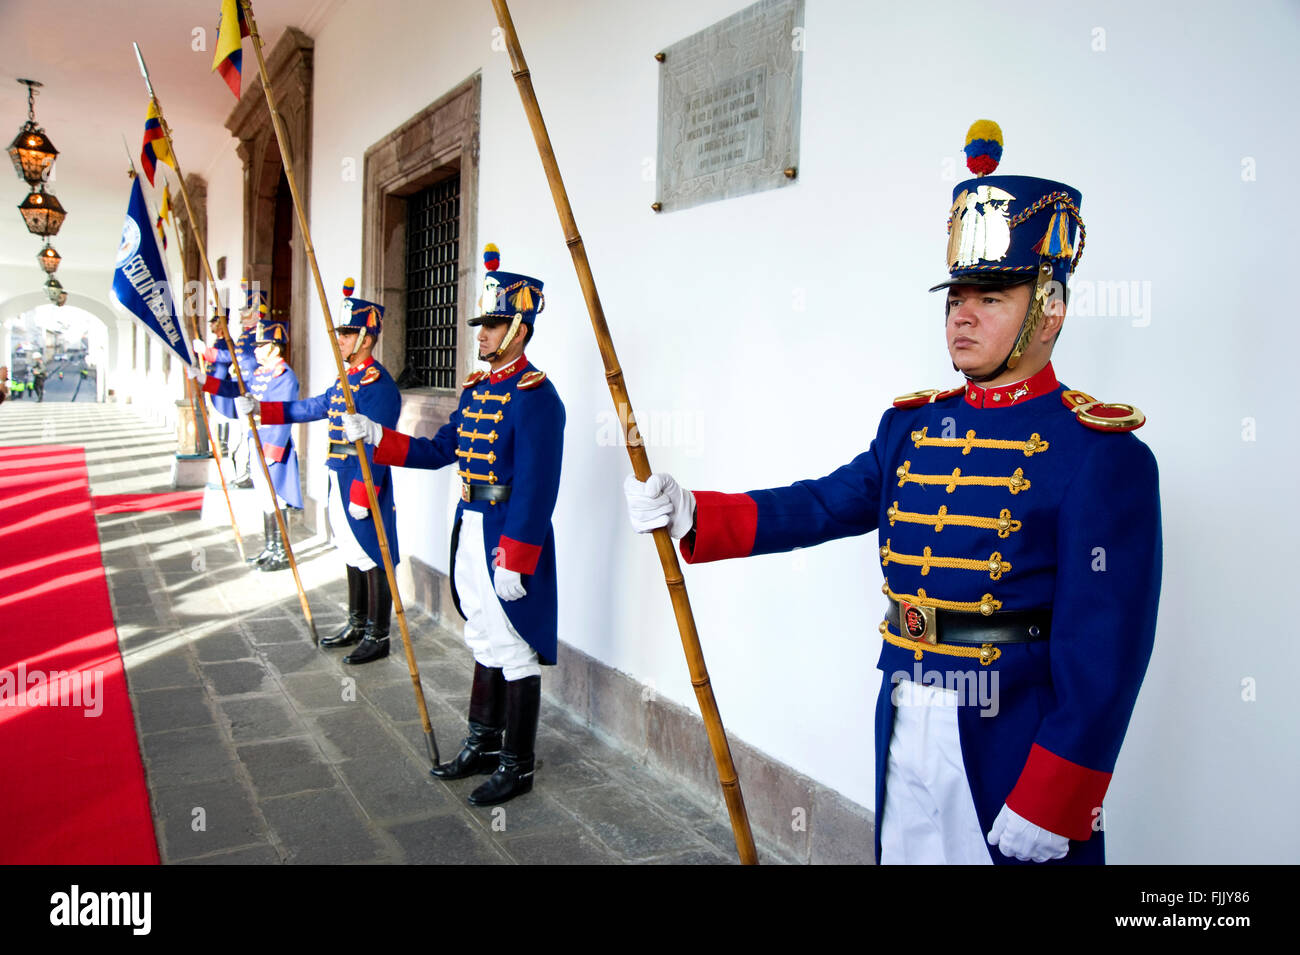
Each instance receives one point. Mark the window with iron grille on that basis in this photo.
(432, 268)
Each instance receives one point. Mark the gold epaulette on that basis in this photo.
(371, 376)
(1101, 415)
(918, 398)
(474, 378)
(532, 379)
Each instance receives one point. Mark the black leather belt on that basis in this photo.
(338, 447)
(484, 492)
(949, 626)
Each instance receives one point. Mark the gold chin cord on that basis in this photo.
(361, 340)
(505, 342)
(1033, 315)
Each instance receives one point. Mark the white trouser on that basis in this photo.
(488, 632)
(929, 815)
(353, 553)
(259, 485)
(241, 450)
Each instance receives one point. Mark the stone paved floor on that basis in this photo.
(245, 725)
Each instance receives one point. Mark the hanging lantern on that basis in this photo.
(54, 290)
(43, 212)
(31, 151)
(49, 259)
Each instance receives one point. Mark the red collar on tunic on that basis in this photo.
(1004, 396)
(510, 370)
(361, 367)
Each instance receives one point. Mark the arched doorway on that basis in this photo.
(22, 314)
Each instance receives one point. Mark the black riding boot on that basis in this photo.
(480, 752)
(375, 644)
(277, 559)
(514, 774)
(257, 560)
(358, 603)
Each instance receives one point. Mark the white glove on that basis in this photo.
(509, 585)
(659, 502)
(199, 377)
(360, 428)
(1017, 837)
(200, 346)
(358, 512)
(245, 405)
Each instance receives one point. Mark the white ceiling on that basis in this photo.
(94, 95)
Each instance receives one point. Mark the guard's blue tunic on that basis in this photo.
(376, 396)
(218, 357)
(268, 383)
(995, 500)
(508, 429)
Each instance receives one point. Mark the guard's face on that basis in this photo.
(347, 342)
(982, 325)
(266, 353)
(490, 335)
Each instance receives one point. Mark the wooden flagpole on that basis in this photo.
(230, 344)
(635, 449)
(375, 514)
(199, 399)
(190, 386)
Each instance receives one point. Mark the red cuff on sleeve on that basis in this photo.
(211, 385)
(273, 452)
(358, 494)
(517, 556)
(272, 412)
(209, 354)
(1061, 796)
(725, 525)
(392, 448)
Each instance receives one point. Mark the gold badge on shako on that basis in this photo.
(981, 228)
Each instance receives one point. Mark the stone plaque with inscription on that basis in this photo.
(729, 107)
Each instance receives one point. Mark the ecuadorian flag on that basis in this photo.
(229, 56)
(155, 149)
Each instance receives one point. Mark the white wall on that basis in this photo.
(730, 324)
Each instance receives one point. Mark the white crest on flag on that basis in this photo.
(130, 243)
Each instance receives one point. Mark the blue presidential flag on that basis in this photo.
(140, 280)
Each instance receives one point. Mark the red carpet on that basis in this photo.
(170, 501)
(73, 788)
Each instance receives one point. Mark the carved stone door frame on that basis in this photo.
(289, 66)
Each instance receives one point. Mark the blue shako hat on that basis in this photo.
(507, 294)
(358, 314)
(277, 332)
(251, 299)
(1001, 229)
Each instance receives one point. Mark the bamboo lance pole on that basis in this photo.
(190, 388)
(199, 400)
(375, 514)
(230, 344)
(635, 449)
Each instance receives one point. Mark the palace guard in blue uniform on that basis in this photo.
(375, 394)
(1019, 534)
(218, 358)
(506, 438)
(271, 380)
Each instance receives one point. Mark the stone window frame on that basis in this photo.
(439, 141)
(444, 210)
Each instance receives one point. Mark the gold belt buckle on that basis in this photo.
(918, 622)
(464, 491)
